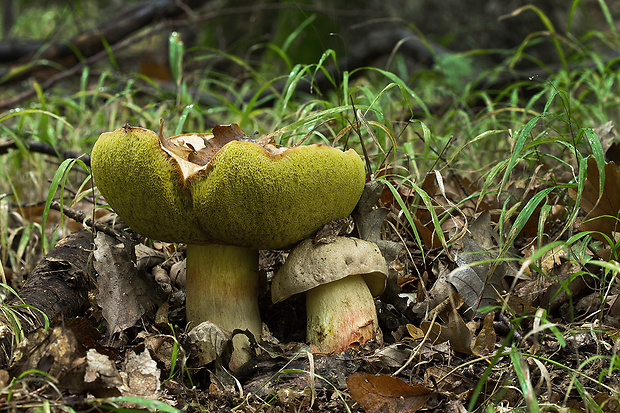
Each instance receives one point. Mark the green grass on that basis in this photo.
(408, 123)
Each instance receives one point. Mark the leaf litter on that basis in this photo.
(446, 315)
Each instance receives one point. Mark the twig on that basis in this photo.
(81, 217)
(7, 144)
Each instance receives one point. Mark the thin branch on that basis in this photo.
(7, 144)
(82, 218)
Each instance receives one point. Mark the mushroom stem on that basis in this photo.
(222, 287)
(341, 314)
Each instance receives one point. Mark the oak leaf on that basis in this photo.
(602, 208)
(381, 393)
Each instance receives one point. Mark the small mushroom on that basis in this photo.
(340, 280)
(226, 197)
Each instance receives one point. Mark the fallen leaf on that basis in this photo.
(330, 231)
(222, 134)
(165, 350)
(381, 393)
(455, 332)
(607, 136)
(101, 371)
(140, 376)
(200, 148)
(602, 208)
(147, 257)
(51, 352)
(458, 334)
(614, 305)
(211, 341)
(485, 341)
(393, 356)
(479, 284)
(447, 380)
(416, 333)
(125, 294)
(607, 402)
(433, 331)
(178, 273)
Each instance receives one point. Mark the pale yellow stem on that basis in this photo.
(341, 314)
(222, 287)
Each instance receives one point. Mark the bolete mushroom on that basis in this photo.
(226, 197)
(340, 280)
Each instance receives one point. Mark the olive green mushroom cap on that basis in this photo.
(245, 193)
(309, 265)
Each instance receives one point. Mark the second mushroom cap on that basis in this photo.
(309, 266)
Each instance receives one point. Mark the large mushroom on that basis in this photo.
(226, 197)
(340, 279)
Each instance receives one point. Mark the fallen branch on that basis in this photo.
(59, 284)
(82, 218)
(7, 144)
(126, 22)
(8, 103)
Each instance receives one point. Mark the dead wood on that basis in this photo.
(58, 285)
(7, 144)
(16, 49)
(126, 22)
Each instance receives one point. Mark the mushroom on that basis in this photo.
(226, 197)
(340, 280)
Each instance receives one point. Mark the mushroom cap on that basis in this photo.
(247, 193)
(309, 265)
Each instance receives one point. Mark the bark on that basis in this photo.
(59, 284)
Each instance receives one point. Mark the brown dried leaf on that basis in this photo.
(211, 342)
(602, 210)
(50, 352)
(416, 333)
(164, 349)
(606, 135)
(222, 134)
(125, 294)
(392, 356)
(485, 342)
(435, 334)
(479, 284)
(101, 371)
(383, 393)
(200, 148)
(140, 375)
(447, 380)
(330, 231)
(614, 308)
(456, 331)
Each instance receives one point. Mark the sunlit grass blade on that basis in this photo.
(183, 118)
(522, 373)
(60, 175)
(117, 404)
